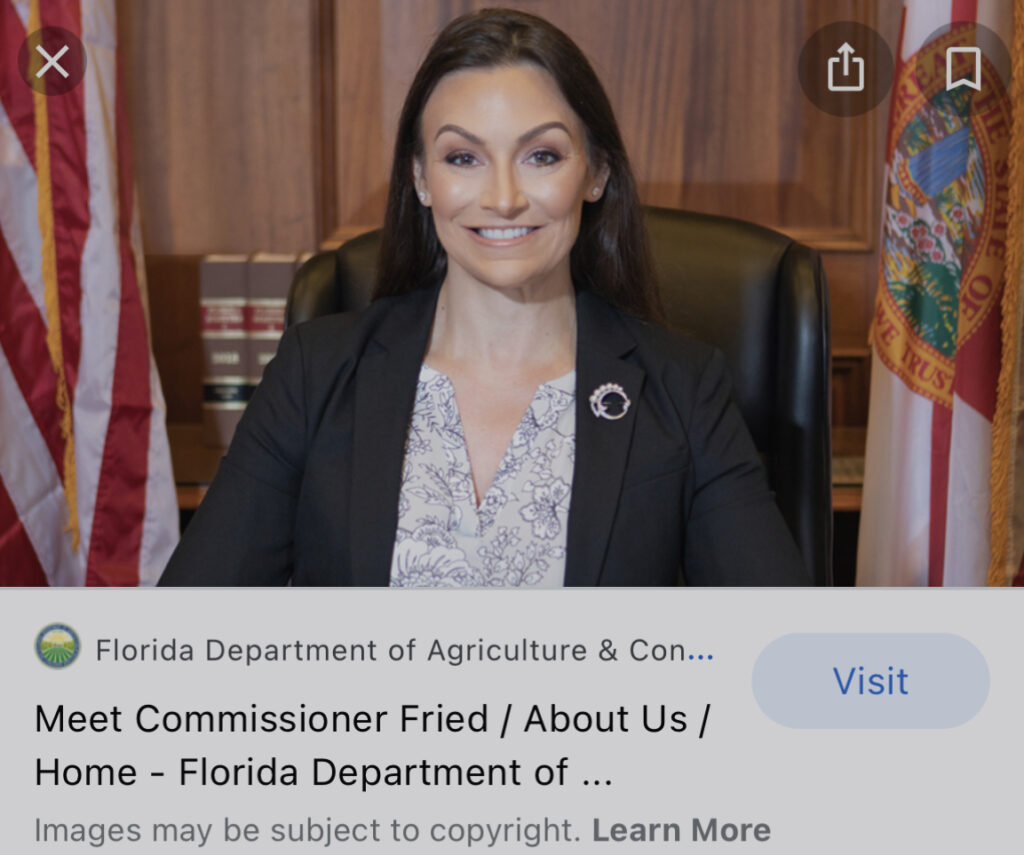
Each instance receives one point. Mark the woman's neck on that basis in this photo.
(498, 332)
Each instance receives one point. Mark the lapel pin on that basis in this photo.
(609, 401)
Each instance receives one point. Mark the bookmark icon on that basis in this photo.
(973, 80)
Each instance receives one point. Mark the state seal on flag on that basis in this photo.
(942, 242)
(57, 645)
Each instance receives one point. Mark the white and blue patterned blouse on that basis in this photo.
(517, 535)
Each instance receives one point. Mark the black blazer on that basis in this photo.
(308, 490)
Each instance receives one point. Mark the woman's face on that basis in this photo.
(505, 173)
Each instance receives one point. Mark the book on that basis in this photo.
(226, 370)
(268, 280)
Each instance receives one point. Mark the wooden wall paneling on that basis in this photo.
(221, 104)
(363, 149)
(852, 279)
(173, 284)
(706, 94)
(851, 374)
(325, 103)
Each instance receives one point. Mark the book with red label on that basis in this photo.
(226, 370)
(269, 278)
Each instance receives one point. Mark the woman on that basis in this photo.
(507, 411)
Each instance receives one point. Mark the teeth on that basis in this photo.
(504, 234)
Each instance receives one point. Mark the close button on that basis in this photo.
(52, 60)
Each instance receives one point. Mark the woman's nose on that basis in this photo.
(503, 193)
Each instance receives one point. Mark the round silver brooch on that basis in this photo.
(609, 393)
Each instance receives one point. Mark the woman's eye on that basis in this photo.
(460, 158)
(545, 157)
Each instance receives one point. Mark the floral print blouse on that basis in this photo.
(517, 535)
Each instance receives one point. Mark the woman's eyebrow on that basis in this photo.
(529, 135)
(537, 131)
(461, 132)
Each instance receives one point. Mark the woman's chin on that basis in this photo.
(511, 278)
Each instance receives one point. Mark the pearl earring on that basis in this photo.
(597, 191)
(423, 196)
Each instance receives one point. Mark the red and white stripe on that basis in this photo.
(126, 500)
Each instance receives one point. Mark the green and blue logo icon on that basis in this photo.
(57, 645)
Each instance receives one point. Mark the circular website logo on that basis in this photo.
(57, 645)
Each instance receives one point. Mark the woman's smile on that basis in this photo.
(502, 237)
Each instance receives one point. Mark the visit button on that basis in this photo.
(871, 680)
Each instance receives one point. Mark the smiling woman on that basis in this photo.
(508, 412)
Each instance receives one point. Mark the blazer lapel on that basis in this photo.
(385, 394)
(602, 444)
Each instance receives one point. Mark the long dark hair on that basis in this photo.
(610, 256)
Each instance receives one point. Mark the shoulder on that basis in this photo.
(317, 361)
(659, 347)
(685, 380)
(341, 334)
(330, 333)
(330, 343)
(677, 363)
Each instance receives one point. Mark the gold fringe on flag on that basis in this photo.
(1003, 422)
(50, 294)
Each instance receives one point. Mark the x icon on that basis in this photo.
(51, 48)
(52, 61)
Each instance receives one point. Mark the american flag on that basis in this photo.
(86, 491)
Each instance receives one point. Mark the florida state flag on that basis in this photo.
(936, 336)
(86, 491)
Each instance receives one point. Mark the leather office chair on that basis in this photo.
(757, 295)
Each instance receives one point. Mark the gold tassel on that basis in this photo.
(1002, 423)
(54, 342)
